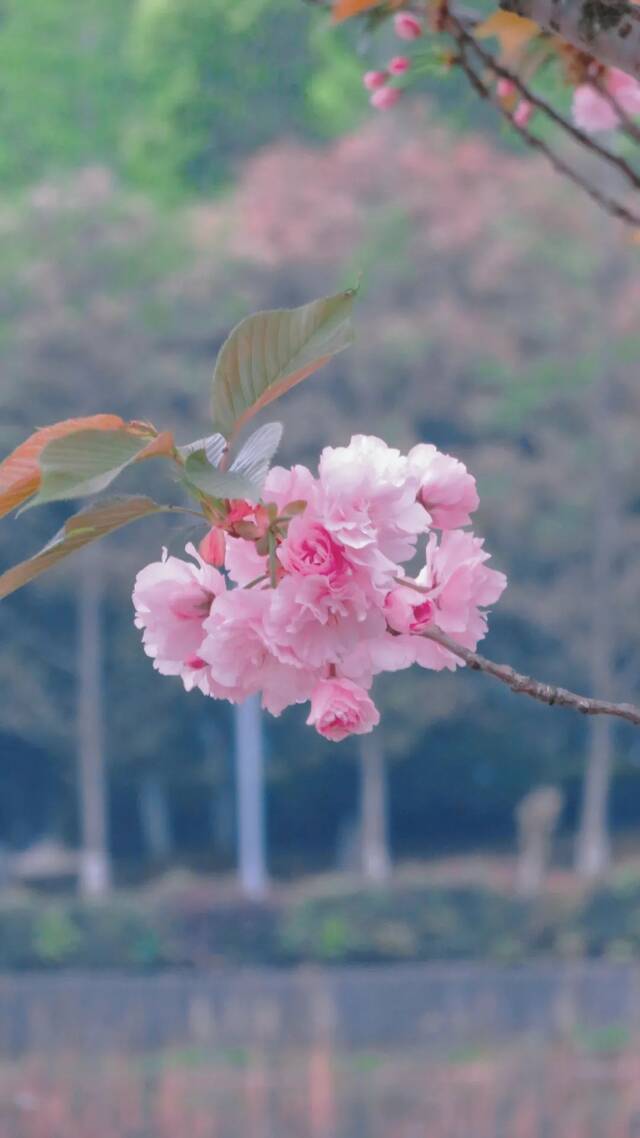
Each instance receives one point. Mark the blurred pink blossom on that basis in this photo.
(385, 98)
(372, 80)
(399, 65)
(407, 26)
(594, 112)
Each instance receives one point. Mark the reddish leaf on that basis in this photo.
(20, 473)
(513, 33)
(345, 9)
(89, 525)
(161, 447)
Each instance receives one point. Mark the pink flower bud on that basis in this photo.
(212, 547)
(523, 112)
(372, 80)
(407, 26)
(406, 613)
(385, 98)
(505, 88)
(399, 65)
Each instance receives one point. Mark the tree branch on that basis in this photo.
(580, 136)
(525, 685)
(609, 204)
(609, 30)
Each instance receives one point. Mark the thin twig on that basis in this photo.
(608, 204)
(525, 685)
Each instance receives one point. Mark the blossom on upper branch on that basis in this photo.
(596, 110)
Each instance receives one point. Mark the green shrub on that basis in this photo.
(196, 926)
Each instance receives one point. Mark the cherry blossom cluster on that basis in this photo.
(383, 96)
(327, 582)
(602, 98)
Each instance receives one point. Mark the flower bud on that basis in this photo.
(523, 112)
(406, 612)
(407, 26)
(505, 88)
(399, 65)
(385, 98)
(372, 80)
(212, 547)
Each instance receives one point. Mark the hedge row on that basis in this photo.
(404, 923)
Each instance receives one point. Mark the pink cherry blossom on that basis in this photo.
(367, 500)
(447, 490)
(337, 607)
(309, 549)
(460, 585)
(312, 624)
(407, 611)
(237, 652)
(340, 708)
(407, 26)
(243, 562)
(382, 653)
(284, 486)
(624, 90)
(591, 111)
(505, 88)
(172, 599)
(372, 80)
(594, 112)
(385, 98)
(523, 113)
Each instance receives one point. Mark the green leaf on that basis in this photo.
(85, 462)
(270, 352)
(88, 525)
(218, 483)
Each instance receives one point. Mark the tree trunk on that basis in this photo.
(593, 852)
(250, 798)
(154, 818)
(608, 30)
(374, 836)
(593, 848)
(95, 874)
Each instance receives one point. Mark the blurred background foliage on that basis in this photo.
(168, 166)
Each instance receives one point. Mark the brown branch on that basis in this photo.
(525, 685)
(607, 30)
(610, 205)
(585, 140)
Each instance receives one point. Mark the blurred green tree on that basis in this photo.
(215, 81)
(64, 85)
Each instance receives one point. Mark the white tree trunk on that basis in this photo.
(154, 817)
(593, 847)
(95, 871)
(374, 832)
(250, 798)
